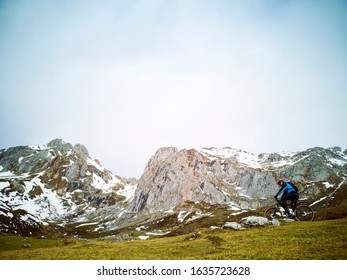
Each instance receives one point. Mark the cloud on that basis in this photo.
(127, 77)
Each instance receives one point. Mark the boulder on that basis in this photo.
(254, 221)
(233, 225)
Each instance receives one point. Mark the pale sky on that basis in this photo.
(125, 78)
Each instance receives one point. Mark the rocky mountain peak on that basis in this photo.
(161, 155)
(56, 181)
(81, 151)
(60, 185)
(60, 145)
(233, 177)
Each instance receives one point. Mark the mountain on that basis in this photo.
(57, 183)
(58, 189)
(234, 177)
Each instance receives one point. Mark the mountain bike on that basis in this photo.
(302, 212)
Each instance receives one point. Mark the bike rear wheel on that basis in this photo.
(304, 213)
(273, 213)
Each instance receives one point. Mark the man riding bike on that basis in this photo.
(289, 193)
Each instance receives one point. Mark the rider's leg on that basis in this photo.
(293, 199)
(284, 204)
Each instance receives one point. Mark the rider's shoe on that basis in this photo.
(289, 216)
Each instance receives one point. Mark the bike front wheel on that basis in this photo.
(273, 213)
(304, 213)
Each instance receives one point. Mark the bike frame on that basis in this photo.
(281, 210)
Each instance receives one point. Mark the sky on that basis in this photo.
(125, 78)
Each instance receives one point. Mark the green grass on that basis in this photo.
(297, 240)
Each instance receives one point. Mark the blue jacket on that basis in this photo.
(285, 189)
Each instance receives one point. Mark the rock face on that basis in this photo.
(234, 177)
(56, 182)
(59, 185)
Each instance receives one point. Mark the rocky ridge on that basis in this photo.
(55, 183)
(59, 188)
(235, 178)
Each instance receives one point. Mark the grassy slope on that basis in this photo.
(298, 240)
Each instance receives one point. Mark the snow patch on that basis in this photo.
(8, 214)
(4, 185)
(87, 224)
(243, 157)
(128, 192)
(121, 213)
(339, 162)
(7, 174)
(245, 195)
(182, 215)
(65, 179)
(141, 228)
(318, 201)
(11, 175)
(98, 182)
(328, 185)
(38, 147)
(95, 164)
(233, 206)
(47, 205)
(142, 237)
(238, 213)
(248, 159)
(158, 233)
(199, 215)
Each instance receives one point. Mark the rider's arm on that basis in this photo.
(279, 192)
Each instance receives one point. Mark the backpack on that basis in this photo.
(294, 187)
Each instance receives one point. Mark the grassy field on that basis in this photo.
(319, 240)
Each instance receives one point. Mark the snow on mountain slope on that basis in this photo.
(56, 182)
(59, 185)
(334, 155)
(234, 177)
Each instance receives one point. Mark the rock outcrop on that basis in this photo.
(57, 182)
(234, 177)
(59, 187)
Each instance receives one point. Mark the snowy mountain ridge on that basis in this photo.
(264, 160)
(55, 182)
(58, 187)
(233, 177)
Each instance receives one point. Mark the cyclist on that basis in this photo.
(288, 193)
